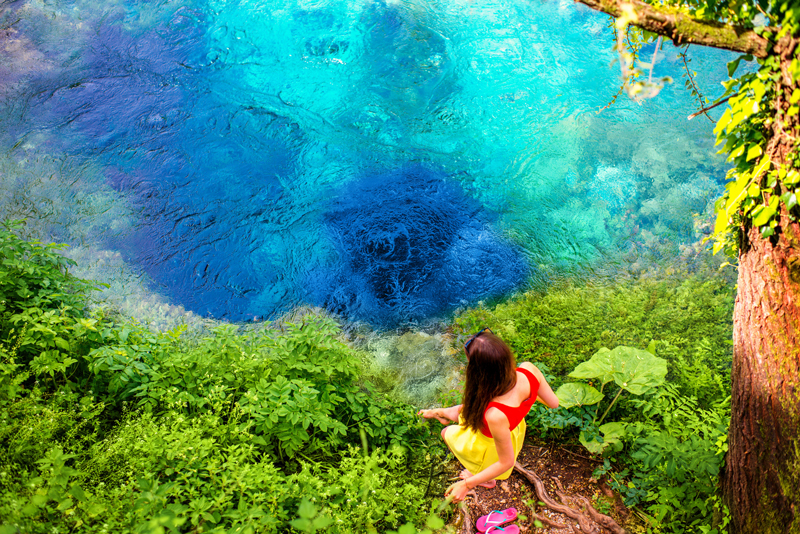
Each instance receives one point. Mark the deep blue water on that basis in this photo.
(389, 161)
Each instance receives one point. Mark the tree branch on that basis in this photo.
(683, 29)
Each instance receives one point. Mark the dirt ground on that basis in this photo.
(573, 469)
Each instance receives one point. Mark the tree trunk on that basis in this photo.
(682, 28)
(762, 478)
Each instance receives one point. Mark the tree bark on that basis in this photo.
(683, 29)
(761, 482)
(762, 478)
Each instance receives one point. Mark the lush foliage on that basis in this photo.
(662, 452)
(688, 318)
(107, 426)
(658, 418)
(120, 428)
(762, 186)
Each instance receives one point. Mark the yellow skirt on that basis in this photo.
(475, 451)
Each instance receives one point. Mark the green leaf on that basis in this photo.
(577, 394)
(753, 152)
(766, 212)
(613, 431)
(723, 121)
(732, 66)
(596, 367)
(435, 522)
(306, 509)
(736, 152)
(790, 199)
(594, 447)
(77, 492)
(637, 371)
(612, 439)
(632, 369)
(303, 525)
(322, 522)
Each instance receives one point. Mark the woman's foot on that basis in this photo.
(465, 474)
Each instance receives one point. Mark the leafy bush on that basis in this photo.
(110, 427)
(41, 303)
(690, 319)
(674, 461)
(665, 454)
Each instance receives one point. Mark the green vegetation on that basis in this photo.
(689, 318)
(664, 441)
(109, 427)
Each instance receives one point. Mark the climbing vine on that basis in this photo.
(762, 115)
(759, 130)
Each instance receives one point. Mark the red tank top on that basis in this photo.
(515, 414)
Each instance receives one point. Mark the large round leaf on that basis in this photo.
(576, 394)
(633, 370)
(598, 366)
(636, 370)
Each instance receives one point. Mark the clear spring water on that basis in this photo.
(387, 160)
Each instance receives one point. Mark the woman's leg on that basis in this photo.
(465, 474)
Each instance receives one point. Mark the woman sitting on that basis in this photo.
(491, 421)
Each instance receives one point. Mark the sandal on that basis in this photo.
(510, 529)
(494, 519)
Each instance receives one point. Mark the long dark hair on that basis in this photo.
(490, 373)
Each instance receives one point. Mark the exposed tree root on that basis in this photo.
(589, 524)
(464, 522)
(549, 522)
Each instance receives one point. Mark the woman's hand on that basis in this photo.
(436, 413)
(458, 491)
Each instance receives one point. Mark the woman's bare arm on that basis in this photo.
(443, 415)
(545, 395)
(498, 426)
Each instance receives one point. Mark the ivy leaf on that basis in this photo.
(766, 212)
(733, 65)
(790, 199)
(753, 152)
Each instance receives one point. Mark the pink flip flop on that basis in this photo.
(489, 522)
(510, 529)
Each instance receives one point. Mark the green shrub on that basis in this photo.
(675, 456)
(690, 319)
(664, 451)
(41, 303)
(108, 426)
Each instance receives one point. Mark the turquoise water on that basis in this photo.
(387, 161)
